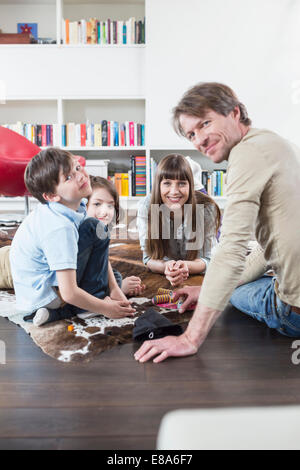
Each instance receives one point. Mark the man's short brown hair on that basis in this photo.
(43, 171)
(208, 96)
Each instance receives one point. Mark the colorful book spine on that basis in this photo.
(104, 132)
(109, 31)
(44, 136)
(67, 31)
(98, 32)
(118, 183)
(108, 133)
(124, 33)
(124, 185)
(93, 30)
(82, 135)
(142, 135)
(140, 175)
(133, 180)
(116, 134)
(63, 135)
(131, 134)
(122, 135)
(48, 135)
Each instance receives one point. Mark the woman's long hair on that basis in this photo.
(176, 167)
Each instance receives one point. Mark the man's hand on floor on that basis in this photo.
(176, 346)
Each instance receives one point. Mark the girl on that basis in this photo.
(103, 204)
(192, 217)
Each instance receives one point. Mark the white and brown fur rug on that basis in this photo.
(93, 334)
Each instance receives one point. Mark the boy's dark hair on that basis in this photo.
(100, 182)
(205, 96)
(42, 172)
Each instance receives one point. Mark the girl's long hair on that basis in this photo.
(99, 182)
(176, 167)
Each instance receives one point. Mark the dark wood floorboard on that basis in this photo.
(116, 403)
(82, 443)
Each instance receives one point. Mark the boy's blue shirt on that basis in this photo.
(46, 242)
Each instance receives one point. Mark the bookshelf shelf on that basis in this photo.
(72, 46)
(28, 46)
(101, 46)
(16, 204)
(104, 149)
(131, 198)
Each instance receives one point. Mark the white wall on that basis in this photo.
(103, 11)
(252, 46)
(44, 15)
(72, 71)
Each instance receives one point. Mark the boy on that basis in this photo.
(59, 258)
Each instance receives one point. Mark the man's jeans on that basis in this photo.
(92, 266)
(259, 300)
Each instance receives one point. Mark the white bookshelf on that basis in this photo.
(89, 82)
(95, 81)
(16, 205)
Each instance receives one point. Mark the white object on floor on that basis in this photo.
(249, 428)
(83, 316)
(41, 316)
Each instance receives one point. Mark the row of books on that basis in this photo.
(39, 134)
(132, 183)
(94, 31)
(106, 133)
(214, 182)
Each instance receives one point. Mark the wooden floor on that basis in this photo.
(116, 403)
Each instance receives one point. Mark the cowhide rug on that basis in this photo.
(93, 334)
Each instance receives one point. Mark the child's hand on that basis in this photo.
(117, 294)
(117, 309)
(137, 290)
(132, 285)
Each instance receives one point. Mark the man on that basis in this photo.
(263, 194)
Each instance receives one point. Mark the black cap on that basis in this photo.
(152, 325)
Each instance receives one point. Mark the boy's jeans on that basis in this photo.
(92, 266)
(258, 299)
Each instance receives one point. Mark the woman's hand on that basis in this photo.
(176, 272)
(169, 267)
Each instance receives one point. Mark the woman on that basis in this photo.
(177, 239)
